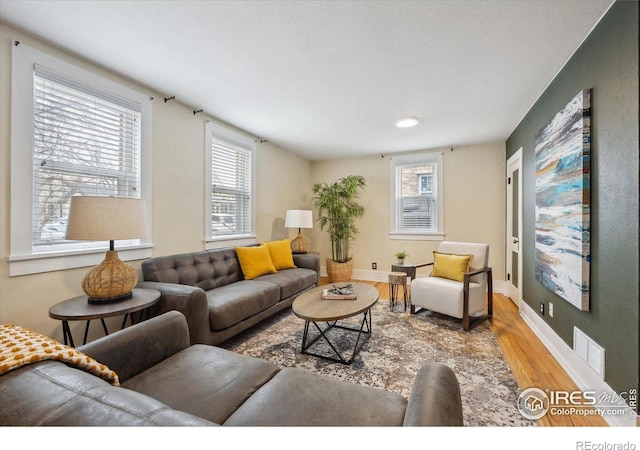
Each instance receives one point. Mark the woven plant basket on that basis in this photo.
(338, 272)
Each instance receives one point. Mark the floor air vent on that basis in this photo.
(590, 352)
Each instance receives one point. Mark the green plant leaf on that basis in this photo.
(337, 210)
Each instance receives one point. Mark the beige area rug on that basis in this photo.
(399, 345)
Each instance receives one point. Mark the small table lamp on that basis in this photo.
(298, 218)
(107, 219)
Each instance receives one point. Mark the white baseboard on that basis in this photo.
(383, 276)
(371, 275)
(360, 274)
(584, 377)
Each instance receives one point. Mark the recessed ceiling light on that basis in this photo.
(407, 122)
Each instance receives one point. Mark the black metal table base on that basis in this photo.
(68, 337)
(364, 332)
(394, 293)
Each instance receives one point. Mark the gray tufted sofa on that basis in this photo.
(167, 382)
(208, 287)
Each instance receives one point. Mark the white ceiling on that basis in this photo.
(327, 79)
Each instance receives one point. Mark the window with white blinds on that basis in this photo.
(73, 132)
(230, 184)
(416, 194)
(85, 142)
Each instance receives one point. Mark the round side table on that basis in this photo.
(78, 308)
(397, 280)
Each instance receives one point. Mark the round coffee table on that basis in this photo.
(313, 309)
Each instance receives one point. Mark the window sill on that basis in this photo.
(50, 262)
(228, 241)
(407, 236)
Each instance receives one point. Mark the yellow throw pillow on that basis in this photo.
(451, 266)
(255, 261)
(281, 255)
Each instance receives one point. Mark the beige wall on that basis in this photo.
(474, 208)
(178, 197)
(284, 182)
(474, 196)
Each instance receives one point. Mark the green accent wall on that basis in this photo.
(607, 63)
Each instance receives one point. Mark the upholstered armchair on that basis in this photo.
(457, 284)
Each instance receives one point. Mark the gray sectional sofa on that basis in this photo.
(167, 382)
(209, 288)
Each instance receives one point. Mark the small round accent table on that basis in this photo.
(78, 308)
(397, 280)
(409, 269)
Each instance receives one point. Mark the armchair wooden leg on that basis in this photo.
(466, 325)
(467, 322)
(490, 293)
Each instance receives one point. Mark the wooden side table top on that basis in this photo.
(409, 269)
(78, 308)
(397, 278)
(310, 305)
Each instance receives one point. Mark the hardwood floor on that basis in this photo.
(530, 361)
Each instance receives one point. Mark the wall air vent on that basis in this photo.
(590, 352)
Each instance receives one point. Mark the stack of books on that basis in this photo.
(339, 293)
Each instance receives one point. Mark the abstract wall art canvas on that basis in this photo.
(562, 211)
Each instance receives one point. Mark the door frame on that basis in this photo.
(512, 292)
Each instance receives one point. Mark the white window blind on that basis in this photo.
(85, 142)
(231, 187)
(416, 194)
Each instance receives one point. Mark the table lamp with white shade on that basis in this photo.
(299, 218)
(107, 219)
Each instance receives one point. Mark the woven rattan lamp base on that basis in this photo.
(299, 244)
(110, 281)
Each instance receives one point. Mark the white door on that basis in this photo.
(514, 227)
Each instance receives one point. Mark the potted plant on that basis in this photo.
(337, 211)
(400, 256)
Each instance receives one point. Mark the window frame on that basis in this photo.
(418, 158)
(210, 240)
(23, 257)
